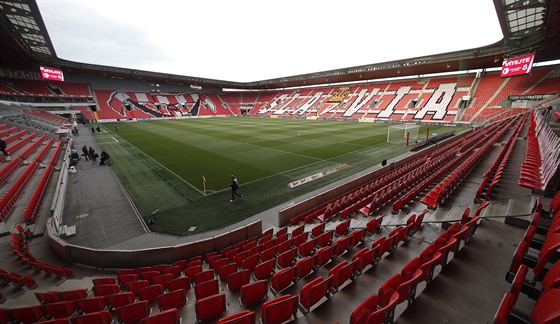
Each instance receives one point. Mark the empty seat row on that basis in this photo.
(21, 248)
(542, 157)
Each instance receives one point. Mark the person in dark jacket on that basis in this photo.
(85, 152)
(234, 186)
(3, 148)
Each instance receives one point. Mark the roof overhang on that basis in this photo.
(527, 26)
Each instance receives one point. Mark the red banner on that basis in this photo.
(51, 74)
(517, 65)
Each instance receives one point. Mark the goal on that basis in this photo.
(397, 133)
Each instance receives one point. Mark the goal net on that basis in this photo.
(397, 133)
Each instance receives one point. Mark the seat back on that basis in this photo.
(203, 276)
(237, 279)
(174, 299)
(342, 228)
(387, 289)
(250, 263)
(175, 271)
(182, 264)
(170, 316)
(104, 281)
(206, 288)
(307, 247)
(59, 310)
(225, 270)
(550, 246)
(408, 270)
(279, 310)
(47, 297)
(267, 254)
(325, 239)
(134, 312)
(28, 314)
(324, 255)
(314, 291)
(282, 279)
(546, 308)
(243, 317)
(341, 246)
(134, 286)
(101, 317)
(305, 266)
(252, 293)
(149, 275)
(364, 257)
(90, 305)
(317, 229)
(193, 270)
(104, 290)
(373, 225)
(264, 270)
(361, 312)
(384, 314)
(120, 299)
(210, 307)
(407, 288)
(287, 258)
(552, 277)
(299, 239)
(518, 281)
(122, 279)
(298, 230)
(340, 273)
(72, 295)
(357, 237)
(504, 309)
(163, 280)
(150, 293)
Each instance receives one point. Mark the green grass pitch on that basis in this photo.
(162, 163)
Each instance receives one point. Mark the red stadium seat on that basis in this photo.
(206, 288)
(174, 299)
(210, 307)
(243, 317)
(313, 292)
(361, 312)
(279, 310)
(102, 317)
(59, 310)
(179, 283)
(119, 299)
(149, 293)
(90, 305)
(170, 316)
(237, 279)
(282, 279)
(253, 293)
(133, 313)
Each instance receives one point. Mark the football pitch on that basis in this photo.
(182, 167)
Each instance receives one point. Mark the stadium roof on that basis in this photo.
(527, 26)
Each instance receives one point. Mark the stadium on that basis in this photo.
(417, 190)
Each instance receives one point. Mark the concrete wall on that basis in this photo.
(117, 259)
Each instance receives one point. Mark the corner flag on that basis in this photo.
(204, 183)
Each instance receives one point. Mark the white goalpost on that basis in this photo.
(398, 133)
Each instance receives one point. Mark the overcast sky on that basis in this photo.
(248, 40)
